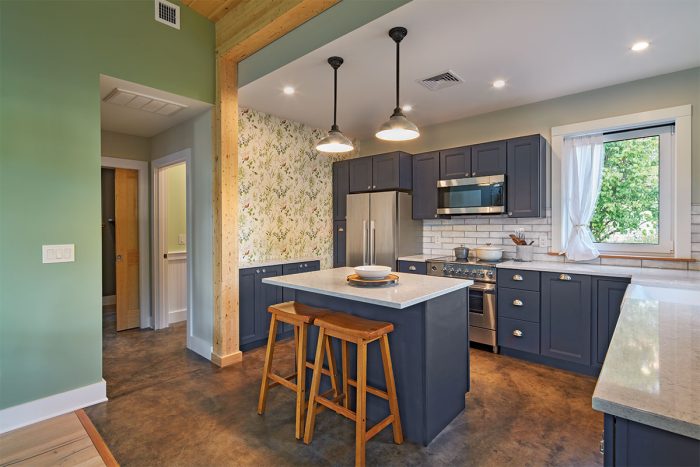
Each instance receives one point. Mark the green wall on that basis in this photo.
(51, 56)
(175, 206)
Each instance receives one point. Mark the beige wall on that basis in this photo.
(670, 90)
(125, 146)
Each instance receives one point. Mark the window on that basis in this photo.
(635, 202)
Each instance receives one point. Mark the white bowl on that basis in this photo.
(372, 272)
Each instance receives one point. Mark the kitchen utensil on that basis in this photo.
(461, 252)
(372, 271)
(524, 252)
(489, 252)
(354, 279)
(517, 240)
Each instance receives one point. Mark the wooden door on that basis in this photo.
(126, 220)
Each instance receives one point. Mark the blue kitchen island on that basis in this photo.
(429, 344)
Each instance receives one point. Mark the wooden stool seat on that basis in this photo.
(350, 325)
(361, 331)
(293, 312)
(301, 317)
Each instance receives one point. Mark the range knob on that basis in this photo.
(490, 274)
(481, 274)
(473, 273)
(451, 270)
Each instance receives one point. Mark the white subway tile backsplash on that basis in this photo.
(489, 228)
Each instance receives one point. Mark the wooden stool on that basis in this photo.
(349, 328)
(300, 316)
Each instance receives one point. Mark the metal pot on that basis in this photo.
(489, 253)
(461, 252)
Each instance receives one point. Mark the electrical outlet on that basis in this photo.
(543, 241)
(57, 253)
(181, 239)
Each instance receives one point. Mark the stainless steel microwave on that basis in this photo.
(476, 195)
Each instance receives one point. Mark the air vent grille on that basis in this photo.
(442, 80)
(167, 13)
(138, 101)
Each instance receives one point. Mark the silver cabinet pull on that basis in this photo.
(473, 174)
(510, 213)
(411, 268)
(518, 333)
(564, 277)
(257, 271)
(517, 302)
(369, 187)
(466, 174)
(263, 270)
(435, 216)
(517, 277)
(374, 186)
(340, 229)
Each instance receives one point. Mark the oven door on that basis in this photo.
(482, 305)
(478, 195)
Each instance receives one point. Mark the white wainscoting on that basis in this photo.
(176, 286)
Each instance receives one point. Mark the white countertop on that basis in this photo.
(411, 289)
(420, 258)
(651, 372)
(273, 262)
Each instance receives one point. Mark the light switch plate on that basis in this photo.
(58, 253)
(543, 241)
(181, 239)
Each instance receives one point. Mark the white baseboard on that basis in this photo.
(175, 316)
(200, 346)
(109, 300)
(25, 414)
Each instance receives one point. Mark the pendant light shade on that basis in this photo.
(335, 141)
(398, 127)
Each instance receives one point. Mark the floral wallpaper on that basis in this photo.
(285, 190)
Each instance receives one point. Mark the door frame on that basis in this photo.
(144, 247)
(160, 314)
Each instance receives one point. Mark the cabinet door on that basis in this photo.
(341, 188)
(246, 304)
(338, 244)
(566, 317)
(385, 171)
(265, 295)
(525, 184)
(607, 300)
(489, 159)
(360, 174)
(426, 173)
(455, 163)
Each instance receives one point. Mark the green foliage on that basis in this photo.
(628, 206)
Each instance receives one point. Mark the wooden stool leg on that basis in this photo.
(331, 367)
(344, 363)
(391, 389)
(361, 407)
(315, 382)
(301, 377)
(267, 367)
(296, 340)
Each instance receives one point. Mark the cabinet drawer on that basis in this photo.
(519, 279)
(296, 268)
(413, 267)
(519, 335)
(519, 304)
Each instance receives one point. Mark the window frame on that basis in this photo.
(679, 214)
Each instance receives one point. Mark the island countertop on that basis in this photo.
(411, 289)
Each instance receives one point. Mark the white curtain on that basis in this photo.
(584, 157)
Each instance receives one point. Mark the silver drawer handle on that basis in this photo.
(517, 302)
(517, 277)
(564, 277)
(411, 268)
(340, 229)
(518, 333)
(263, 270)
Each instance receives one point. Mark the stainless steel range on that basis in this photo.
(482, 295)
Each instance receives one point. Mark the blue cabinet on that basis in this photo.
(413, 267)
(566, 317)
(525, 177)
(607, 300)
(489, 159)
(456, 163)
(426, 173)
(390, 171)
(341, 188)
(339, 243)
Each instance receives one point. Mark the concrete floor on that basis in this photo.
(169, 406)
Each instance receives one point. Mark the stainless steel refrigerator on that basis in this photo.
(380, 228)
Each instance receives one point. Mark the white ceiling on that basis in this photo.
(542, 48)
(137, 122)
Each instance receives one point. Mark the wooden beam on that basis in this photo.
(247, 27)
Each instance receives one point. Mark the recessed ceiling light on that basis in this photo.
(639, 46)
(499, 83)
(288, 90)
(407, 108)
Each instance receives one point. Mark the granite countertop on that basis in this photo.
(651, 372)
(411, 289)
(273, 262)
(420, 258)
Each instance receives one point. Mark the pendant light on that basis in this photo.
(335, 141)
(398, 127)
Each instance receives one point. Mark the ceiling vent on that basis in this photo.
(441, 81)
(138, 101)
(168, 13)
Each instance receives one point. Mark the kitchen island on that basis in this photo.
(429, 344)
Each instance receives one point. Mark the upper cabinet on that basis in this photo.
(341, 188)
(426, 173)
(455, 163)
(489, 159)
(525, 177)
(391, 171)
